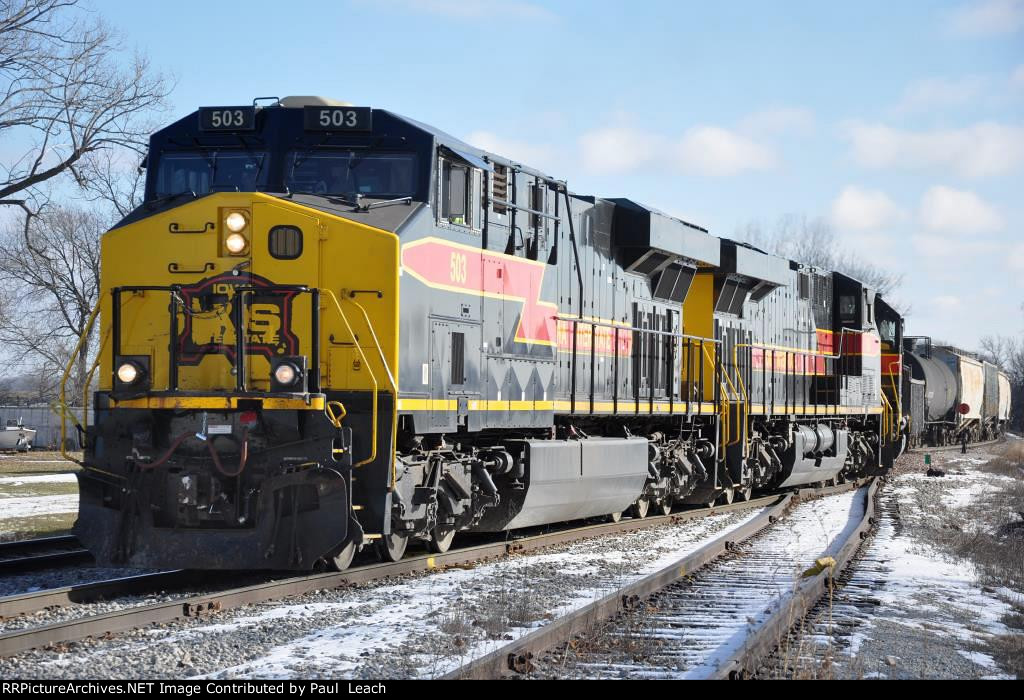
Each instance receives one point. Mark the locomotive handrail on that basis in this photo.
(604, 324)
(89, 375)
(899, 402)
(886, 416)
(691, 340)
(376, 342)
(743, 389)
(721, 408)
(62, 396)
(815, 353)
(391, 380)
(729, 396)
(373, 378)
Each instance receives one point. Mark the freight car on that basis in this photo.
(330, 326)
(951, 394)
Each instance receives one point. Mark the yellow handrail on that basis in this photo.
(723, 408)
(88, 378)
(391, 381)
(886, 416)
(743, 392)
(373, 377)
(899, 402)
(739, 428)
(62, 400)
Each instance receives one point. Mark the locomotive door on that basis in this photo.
(283, 252)
(454, 371)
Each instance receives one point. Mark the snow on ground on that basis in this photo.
(391, 619)
(26, 507)
(37, 479)
(909, 609)
(689, 629)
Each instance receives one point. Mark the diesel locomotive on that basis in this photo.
(329, 327)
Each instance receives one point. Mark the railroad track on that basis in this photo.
(19, 604)
(42, 553)
(189, 606)
(948, 448)
(686, 622)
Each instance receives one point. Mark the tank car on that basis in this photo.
(953, 395)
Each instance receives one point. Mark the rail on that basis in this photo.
(190, 606)
(767, 636)
(515, 656)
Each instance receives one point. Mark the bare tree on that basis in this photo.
(50, 275)
(65, 95)
(814, 242)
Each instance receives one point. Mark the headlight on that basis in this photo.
(127, 373)
(235, 243)
(235, 221)
(285, 374)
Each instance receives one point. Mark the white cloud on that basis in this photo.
(987, 18)
(702, 150)
(478, 9)
(530, 154)
(864, 210)
(945, 210)
(615, 150)
(714, 151)
(937, 93)
(947, 302)
(777, 120)
(982, 149)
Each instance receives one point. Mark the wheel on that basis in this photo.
(441, 538)
(665, 507)
(392, 547)
(727, 495)
(744, 494)
(342, 558)
(639, 509)
(615, 517)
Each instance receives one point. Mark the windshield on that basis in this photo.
(352, 173)
(206, 171)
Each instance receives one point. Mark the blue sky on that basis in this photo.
(901, 122)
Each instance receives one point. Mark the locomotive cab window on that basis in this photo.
(459, 193)
(208, 171)
(538, 241)
(848, 308)
(351, 173)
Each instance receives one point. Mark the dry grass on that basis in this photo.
(30, 464)
(41, 462)
(36, 526)
(989, 534)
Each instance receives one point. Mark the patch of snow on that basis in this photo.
(37, 505)
(38, 479)
(979, 658)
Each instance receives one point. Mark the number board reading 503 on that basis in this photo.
(338, 119)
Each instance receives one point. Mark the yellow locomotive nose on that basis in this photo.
(246, 270)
